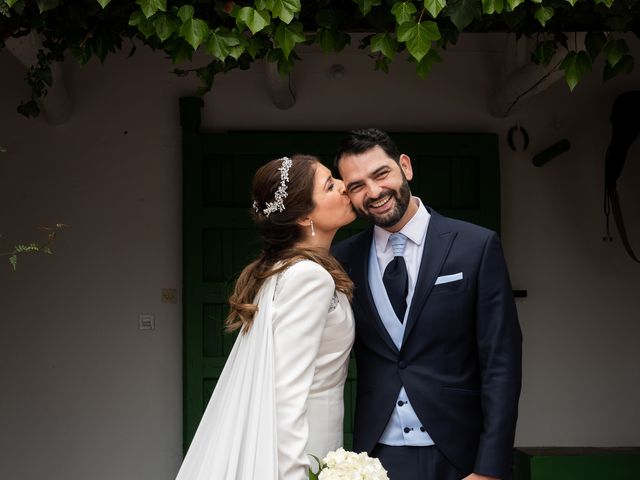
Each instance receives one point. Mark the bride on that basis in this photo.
(280, 395)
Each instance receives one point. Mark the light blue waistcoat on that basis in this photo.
(404, 427)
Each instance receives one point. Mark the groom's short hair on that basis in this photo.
(362, 140)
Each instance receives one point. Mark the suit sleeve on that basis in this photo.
(500, 351)
(300, 312)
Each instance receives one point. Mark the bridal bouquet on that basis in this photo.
(343, 465)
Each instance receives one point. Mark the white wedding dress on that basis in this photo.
(280, 395)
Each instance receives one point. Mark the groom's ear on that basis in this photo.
(405, 165)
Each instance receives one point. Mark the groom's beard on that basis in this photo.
(401, 197)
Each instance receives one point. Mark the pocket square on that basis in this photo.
(449, 278)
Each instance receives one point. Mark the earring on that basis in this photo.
(313, 231)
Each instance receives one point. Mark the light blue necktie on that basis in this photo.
(395, 278)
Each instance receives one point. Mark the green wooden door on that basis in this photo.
(456, 174)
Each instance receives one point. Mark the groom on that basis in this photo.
(438, 344)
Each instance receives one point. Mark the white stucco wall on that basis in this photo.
(85, 394)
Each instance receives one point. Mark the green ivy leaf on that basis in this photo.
(513, 4)
(418, 37)
(594, 43)
(185, 13)
(615, 49)
(194, 31)
(206, 75)
(13, 260)
(180, 51)
(19, 6)
(46, 5)
(137, 19)
(366, 5)
(463, 12)
(221, 43)
(607, 3)
(544, 52)
(11, 3)
(572, 2)
(256, 20)
(385, 44)
(254, 46)
(165, 26)
(104, 3)
(237, 51)
(543, 14)
(489, 7)
(403, 11)
(434, 7)
(150, 7)
(575, 65)
(326, 39)
(285, 9)
(406, 31)
(82, 53)
(332, 40)
(424, 66)
(264, 5)
(285, 65)
(103, 43)
(287, 36)
(624, 65)
(382, 63)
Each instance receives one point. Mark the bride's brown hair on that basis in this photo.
(280, 232)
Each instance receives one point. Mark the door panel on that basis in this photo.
(457, 174)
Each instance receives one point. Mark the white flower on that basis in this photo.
(343, 465)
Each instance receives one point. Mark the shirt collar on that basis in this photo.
(414, 230)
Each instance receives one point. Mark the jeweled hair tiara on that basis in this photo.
(281, 193)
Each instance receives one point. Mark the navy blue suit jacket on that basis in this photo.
(460, 360)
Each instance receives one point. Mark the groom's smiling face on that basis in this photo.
(377, 185)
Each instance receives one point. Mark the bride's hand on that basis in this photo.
(475, 476)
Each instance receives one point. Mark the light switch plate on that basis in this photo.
(146, 321)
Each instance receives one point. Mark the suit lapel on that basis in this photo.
(360, 275)
(437, 244)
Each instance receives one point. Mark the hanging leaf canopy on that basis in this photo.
(236, 33)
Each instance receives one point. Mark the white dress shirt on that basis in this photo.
(415, 230)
